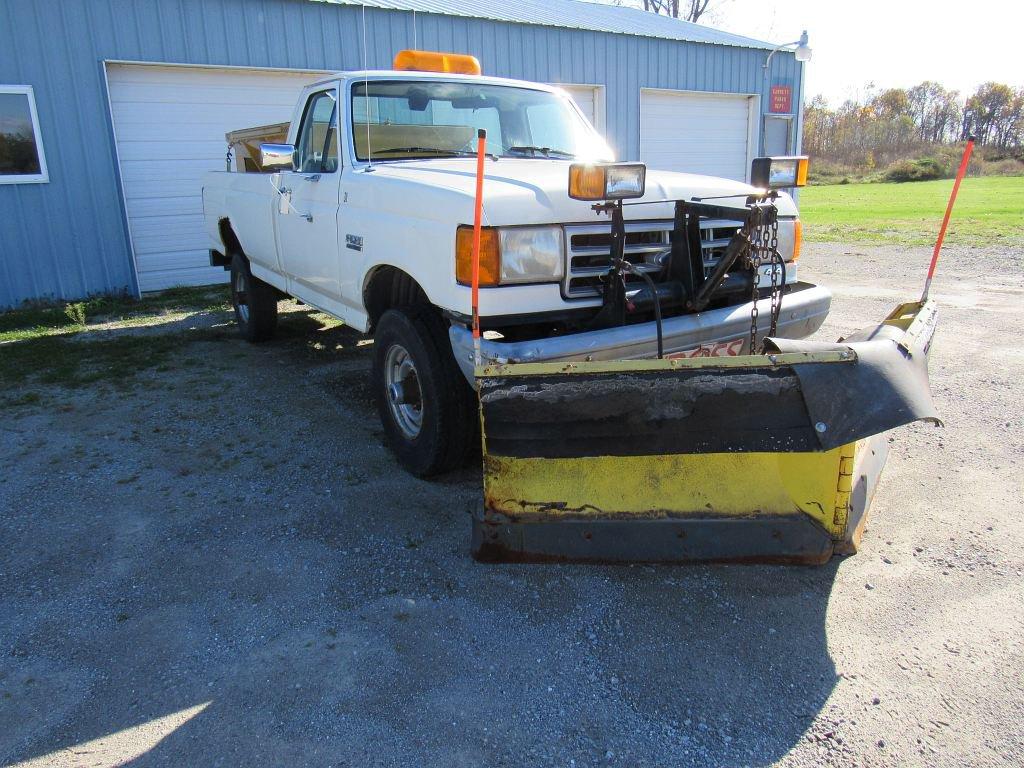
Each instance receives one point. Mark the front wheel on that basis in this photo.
(254, 301)
(424, 402)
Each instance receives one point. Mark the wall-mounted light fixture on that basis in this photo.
(802, 50)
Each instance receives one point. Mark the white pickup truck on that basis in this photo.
(366, 214)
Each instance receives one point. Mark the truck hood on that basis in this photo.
(535, 191)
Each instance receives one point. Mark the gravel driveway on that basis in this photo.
(218, 563)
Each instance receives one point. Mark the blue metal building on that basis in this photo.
(122, 105)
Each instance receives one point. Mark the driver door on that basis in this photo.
(307, 218)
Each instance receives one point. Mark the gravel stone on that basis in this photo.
(221, 564)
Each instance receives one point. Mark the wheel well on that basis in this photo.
(229, 238)
(390, 287)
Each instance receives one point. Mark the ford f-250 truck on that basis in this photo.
(366, 215)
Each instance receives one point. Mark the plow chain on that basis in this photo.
(763, 239)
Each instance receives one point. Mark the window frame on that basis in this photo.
(308, 115)
(43, 177)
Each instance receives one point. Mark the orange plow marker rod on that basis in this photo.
(945, 219)
(477, 215)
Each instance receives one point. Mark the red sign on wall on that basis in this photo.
(782, 99)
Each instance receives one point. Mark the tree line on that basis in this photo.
(895, 123)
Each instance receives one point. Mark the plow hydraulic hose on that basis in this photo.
(481, 147)
(945, 219)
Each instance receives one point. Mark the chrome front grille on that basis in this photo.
(588, 255)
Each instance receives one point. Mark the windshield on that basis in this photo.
(399, 120)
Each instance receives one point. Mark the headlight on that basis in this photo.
(511, 255)
(606, 181)
(779, 172)
(531, 254)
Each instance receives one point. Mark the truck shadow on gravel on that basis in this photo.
(224, 565)
(744, 652)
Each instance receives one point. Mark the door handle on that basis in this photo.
(313, 177)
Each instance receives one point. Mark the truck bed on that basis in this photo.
(248, 201)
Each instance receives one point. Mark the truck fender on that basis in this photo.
(386, 287)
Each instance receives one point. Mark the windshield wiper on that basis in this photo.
(546, 151)
(421, 150)
(434, 151)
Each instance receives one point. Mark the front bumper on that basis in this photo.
(804, 309)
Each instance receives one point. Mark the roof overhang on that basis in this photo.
(569, 14)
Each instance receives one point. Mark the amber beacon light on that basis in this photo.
(433, 61)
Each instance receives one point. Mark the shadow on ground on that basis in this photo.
(247, 578)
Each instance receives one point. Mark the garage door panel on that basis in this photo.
(167, 170)
(171, 113)
(704, 126)
(174, 120)
(143, 192)
(197, 91)
(696, 132)
(167, 234)
(585, 97)
(171, 130)
(698, 106)
(168, 206)
(169, 123)
(174, 260)
(161, 279)
(164, 75)
(182, 149)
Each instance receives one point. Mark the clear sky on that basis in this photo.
(889, 42)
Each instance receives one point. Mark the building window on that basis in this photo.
(21, 145)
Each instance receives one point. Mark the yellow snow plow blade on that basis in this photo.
(758, 458)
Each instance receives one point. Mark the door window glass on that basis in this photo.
(317, 150)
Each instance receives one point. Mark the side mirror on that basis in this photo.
(277, 157)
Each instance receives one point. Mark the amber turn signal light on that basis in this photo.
(802, 166)
(490, 256)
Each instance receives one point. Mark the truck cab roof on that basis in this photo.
(405, 74)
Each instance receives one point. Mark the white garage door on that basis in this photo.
(586, 98)
(169, 125)
(697, 133)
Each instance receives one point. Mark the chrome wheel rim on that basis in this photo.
(242, 297)
(402, 389)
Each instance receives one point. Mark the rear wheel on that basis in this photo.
(424, 402)
(254, 301)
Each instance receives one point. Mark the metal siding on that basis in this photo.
(67, 238)
(569, 14)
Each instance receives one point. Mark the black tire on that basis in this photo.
(435, 388)
(254, 301)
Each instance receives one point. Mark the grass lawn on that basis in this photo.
(74, 317)
(989, 210)
(110, 340)
(79, 342)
